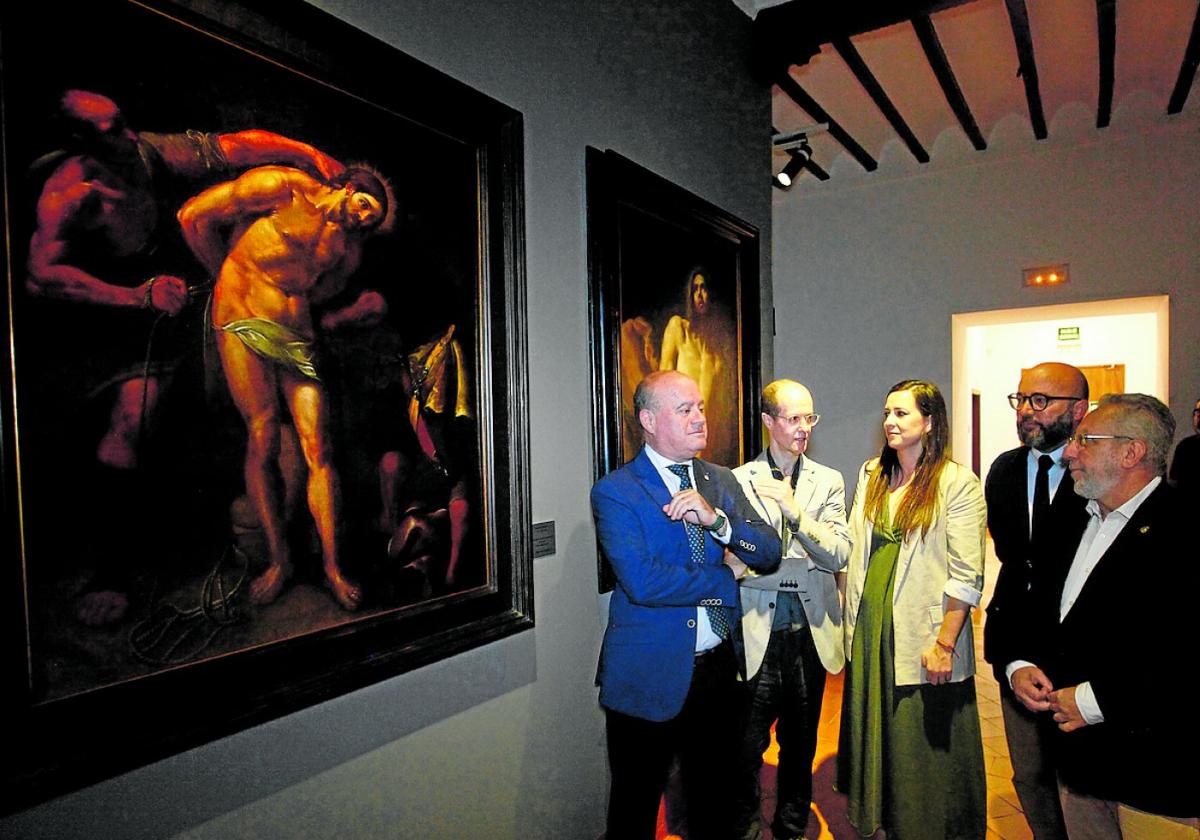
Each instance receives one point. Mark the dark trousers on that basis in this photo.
(787, 689)
(1028, 737)
(704, 735)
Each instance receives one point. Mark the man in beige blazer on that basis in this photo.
(792, 618)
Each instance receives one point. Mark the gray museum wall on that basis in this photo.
(505, 741)
(867, 275)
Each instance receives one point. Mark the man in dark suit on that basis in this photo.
(1185, 465)
(668, 671)
(1031, 506)
(1113, 656)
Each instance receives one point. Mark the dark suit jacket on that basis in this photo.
(649, 645)
(1006, 492)
(1132, 635)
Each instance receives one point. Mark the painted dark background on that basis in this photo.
(167, 78)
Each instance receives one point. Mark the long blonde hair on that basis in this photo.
(919, 505)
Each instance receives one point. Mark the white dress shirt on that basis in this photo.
(706, 639)
(1054, 477)
(1100, 533)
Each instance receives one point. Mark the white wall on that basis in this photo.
(997, 352)
(867, 276)
(505, 741)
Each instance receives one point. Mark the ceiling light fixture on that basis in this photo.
(795, 145)
(797, 157)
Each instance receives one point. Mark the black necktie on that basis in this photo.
(1041, 504)
(716, 615)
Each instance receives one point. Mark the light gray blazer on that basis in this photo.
(810, 559)
(946, 563)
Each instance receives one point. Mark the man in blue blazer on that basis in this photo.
(668, 672)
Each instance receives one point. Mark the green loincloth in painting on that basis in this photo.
(276, 343)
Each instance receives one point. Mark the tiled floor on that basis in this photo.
(828, 818)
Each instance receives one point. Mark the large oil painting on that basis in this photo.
(265, 429)
(673, 284)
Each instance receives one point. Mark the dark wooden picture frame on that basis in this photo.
(651, 243)
(425, 393)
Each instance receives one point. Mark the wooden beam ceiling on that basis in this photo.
(792, 33)
(798, 95)
(1187, 70)
(875, 90)
(936, 56)
(1106, 20)
(1018, 17)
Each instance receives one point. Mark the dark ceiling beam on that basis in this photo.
(1018, 17)
(1187, 70)
(927, 35)
(1106, 19)
(875, 90)
(792, 33)
(798, 95)
(815, 170)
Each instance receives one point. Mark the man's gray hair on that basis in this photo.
(1146, 418)
(645, 396)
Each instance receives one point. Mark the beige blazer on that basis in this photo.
(946, 563)
(810, 559)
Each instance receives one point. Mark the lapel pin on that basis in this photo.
(1145, 529)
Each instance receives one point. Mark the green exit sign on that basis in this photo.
(1068, 333)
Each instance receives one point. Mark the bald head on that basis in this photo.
(781, 390)
(1048, 428)
(1065, 379)
(96, 120)
(671, 413)
(787, 412)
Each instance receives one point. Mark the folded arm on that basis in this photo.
(647, 564)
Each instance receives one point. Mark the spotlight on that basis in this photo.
(798, 155)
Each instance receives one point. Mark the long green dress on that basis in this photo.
(910, 758)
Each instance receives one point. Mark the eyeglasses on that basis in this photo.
(809, 420)
(1082, 441)
(1037, 401)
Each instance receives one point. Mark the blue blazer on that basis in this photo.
(649, 645)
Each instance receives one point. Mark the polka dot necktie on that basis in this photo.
(695, 535)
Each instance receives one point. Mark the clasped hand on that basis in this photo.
(691, 507)
(938, 664)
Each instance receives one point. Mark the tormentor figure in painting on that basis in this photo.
(279, 241)
(696, 343)
(101, 257)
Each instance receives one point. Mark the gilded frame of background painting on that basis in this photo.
(673, 284)
(134, 581)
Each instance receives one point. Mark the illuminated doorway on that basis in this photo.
(1121, 345)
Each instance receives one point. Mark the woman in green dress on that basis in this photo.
(910, 756)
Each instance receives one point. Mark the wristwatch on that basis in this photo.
(717, 524)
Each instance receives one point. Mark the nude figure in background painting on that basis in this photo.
(699, 344)
(105, 268)
(292, 241)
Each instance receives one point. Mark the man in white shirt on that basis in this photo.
(1113, 658)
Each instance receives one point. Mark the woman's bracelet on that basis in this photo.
(948, 648)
